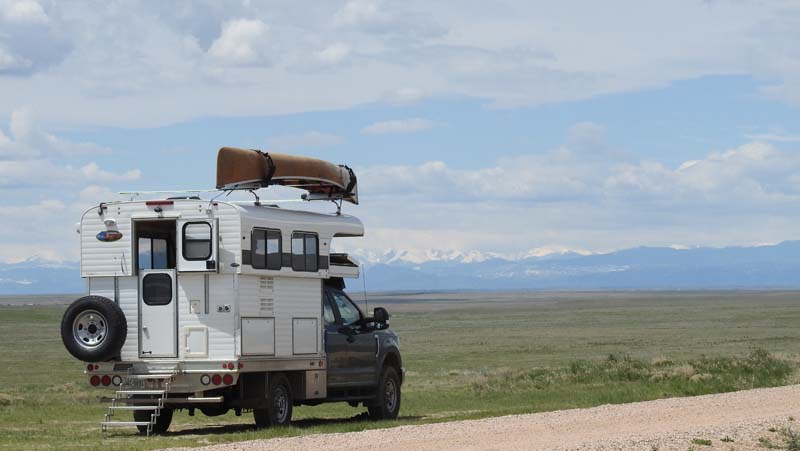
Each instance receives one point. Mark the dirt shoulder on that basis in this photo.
(741, 420)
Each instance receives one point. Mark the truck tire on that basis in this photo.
(93, 329)
(279, 402)
(387, 402)
(162, 422)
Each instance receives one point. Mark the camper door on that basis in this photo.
(198, 245)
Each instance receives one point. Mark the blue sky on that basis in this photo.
(514, 128)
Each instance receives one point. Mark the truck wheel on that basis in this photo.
(279, 401)
(162, 422)
(387, 402)
(93, 329)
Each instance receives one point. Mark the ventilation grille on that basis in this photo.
(266, 298)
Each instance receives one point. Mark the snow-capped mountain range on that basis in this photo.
(761, 267)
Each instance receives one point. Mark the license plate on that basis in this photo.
(136, 383)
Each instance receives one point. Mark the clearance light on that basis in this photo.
(227, 379)
(205, 379)
(94, 380)
(216, 379)
(155, 203)
(89, 367)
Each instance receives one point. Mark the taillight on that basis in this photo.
(216, 379)
(106, 380)
(227, 379)
(94, 380)
(158, 202)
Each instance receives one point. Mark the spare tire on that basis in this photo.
(93, 329)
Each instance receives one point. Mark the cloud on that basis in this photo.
(398, 126)
(308, 140)
(241, 42)
(93, 172)
(22, 11)
(333, 54)
(29, 141)
(143, 65)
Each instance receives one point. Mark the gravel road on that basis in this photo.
(741, 419)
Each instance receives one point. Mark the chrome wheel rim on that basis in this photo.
(280, 403)
(90, 329)
(390, 395)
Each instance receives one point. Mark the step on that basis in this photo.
(140, 392)
(133, 407)
(124, 423)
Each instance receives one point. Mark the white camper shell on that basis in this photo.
(215, 287)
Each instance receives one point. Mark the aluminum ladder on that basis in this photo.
(125, 400)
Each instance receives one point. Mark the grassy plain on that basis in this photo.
(468, 355)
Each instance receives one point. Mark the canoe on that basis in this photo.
(252, 169)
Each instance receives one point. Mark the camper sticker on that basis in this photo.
(109, 235)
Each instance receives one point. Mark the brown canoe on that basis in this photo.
(253, 169)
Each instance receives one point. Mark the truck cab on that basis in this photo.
(364, 363)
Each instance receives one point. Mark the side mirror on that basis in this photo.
(380, 315)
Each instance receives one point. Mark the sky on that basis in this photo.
(510, 127)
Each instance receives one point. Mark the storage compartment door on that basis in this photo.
(198, 244)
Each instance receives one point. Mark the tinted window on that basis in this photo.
(305, 249)
(327, 311)
(347, 310)
(197, 241)
(265, 248)
(153, 253)
(157, 289)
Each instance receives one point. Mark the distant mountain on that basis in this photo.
(39, 276)
(650, 268)
(767, 267)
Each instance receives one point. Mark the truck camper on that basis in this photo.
(217, 306)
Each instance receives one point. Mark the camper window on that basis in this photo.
(157, 289)
(197, 241)
(305, 248)
(265, 247)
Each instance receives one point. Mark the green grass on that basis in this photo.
(468, 356)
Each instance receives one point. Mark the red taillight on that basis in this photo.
(216, 379)
(94, 380)
(106, 380)
(227, 379)
(153, 203)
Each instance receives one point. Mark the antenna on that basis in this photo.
(364, 285)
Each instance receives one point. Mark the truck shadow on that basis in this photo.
(300, 424)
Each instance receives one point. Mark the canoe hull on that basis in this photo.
(251, 169)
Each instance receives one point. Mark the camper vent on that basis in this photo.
(266, 305)
(266, 283)
(266, 301)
